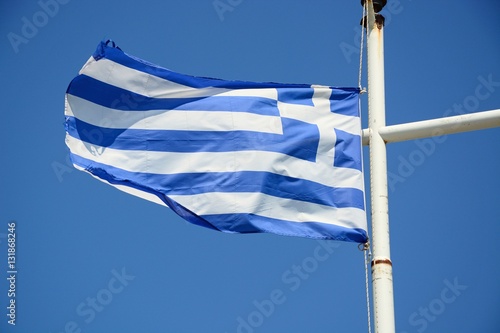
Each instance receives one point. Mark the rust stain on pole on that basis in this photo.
(381, 261)
(379, 24)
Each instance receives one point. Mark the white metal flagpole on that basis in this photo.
(383, 299)
(377, 135)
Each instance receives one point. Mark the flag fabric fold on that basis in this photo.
(234, 156)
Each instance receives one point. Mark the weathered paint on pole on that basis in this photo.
(381, 264)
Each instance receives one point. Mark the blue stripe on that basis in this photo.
(227, 182)
(347, 150)
(299, 139)
(250, 223)
(109, 96)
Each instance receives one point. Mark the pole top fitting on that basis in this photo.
(377, 4)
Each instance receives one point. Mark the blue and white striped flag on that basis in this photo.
(239, 157)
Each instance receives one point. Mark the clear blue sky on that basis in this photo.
(93, 259)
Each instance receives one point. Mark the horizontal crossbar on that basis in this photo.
(437, 127)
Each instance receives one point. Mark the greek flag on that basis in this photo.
(234, 156)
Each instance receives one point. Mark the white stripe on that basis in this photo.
(149, 85)
(172, 163)
(272, 207)
(101, 116)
